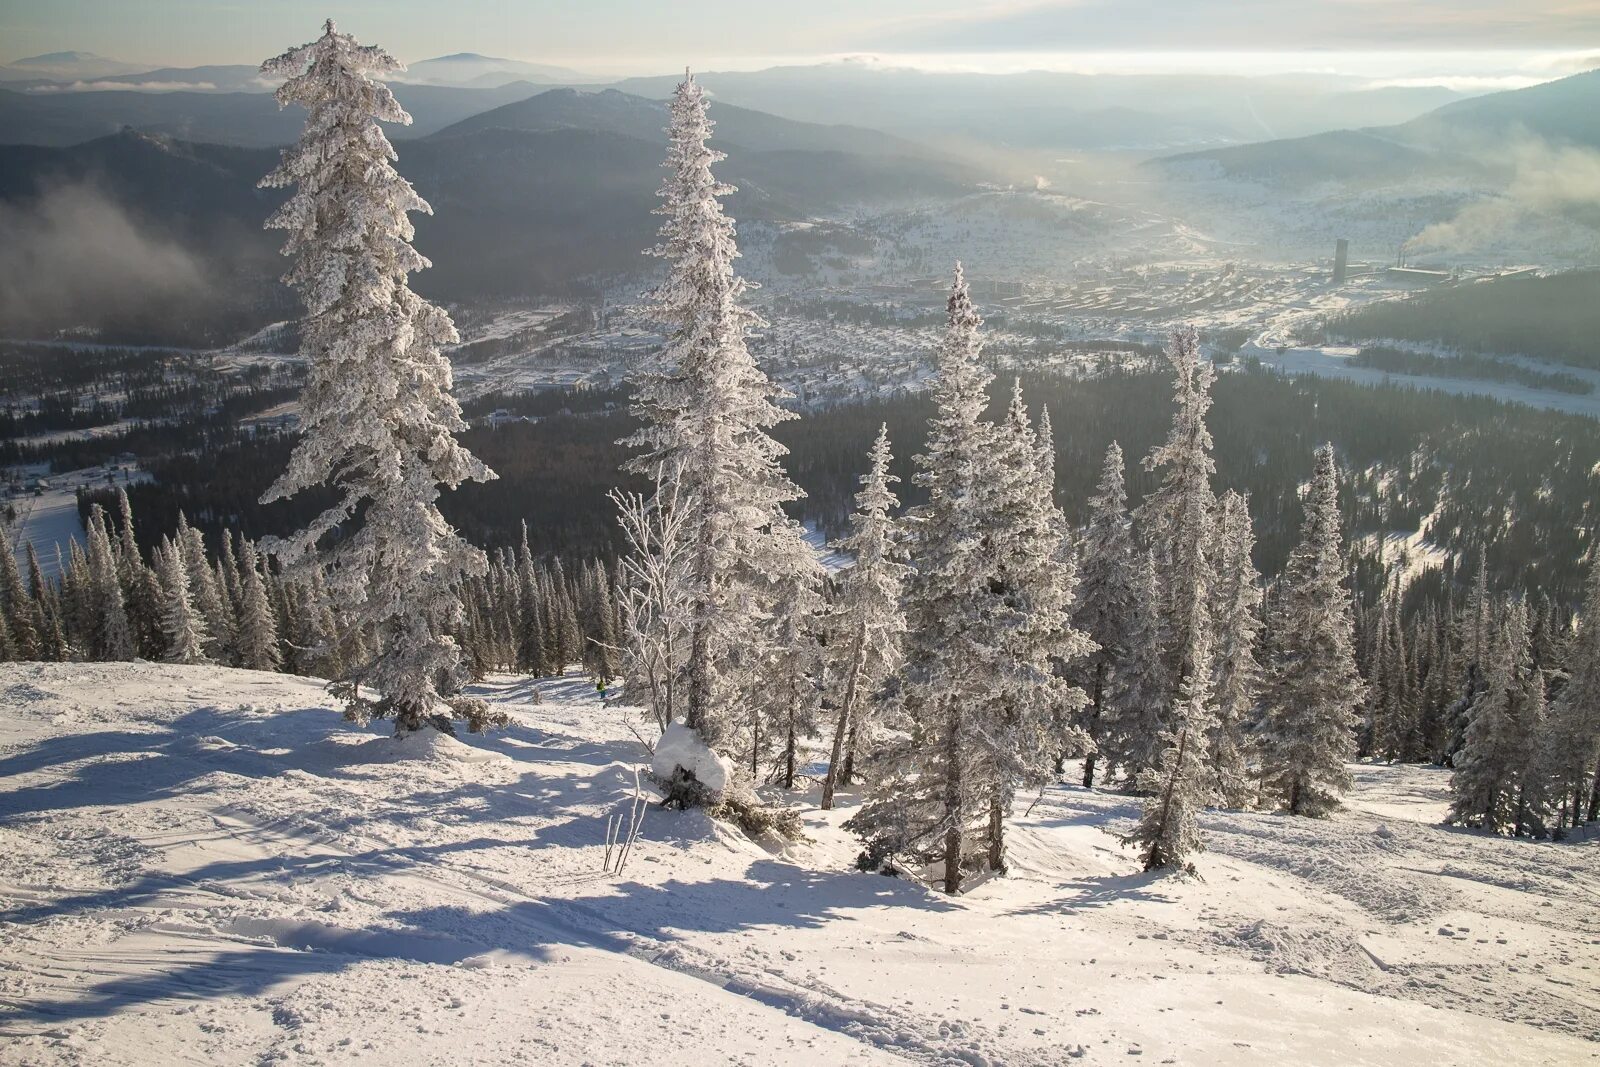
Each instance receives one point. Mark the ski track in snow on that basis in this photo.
(203, 865)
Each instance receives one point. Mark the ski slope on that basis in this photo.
(200, 865)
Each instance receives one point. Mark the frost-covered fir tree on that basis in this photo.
(1574, 719)
(1105, 604)
(1033, 639)
(1307, 733)
(868, 621)
(141, 588)
(1133, 727)
(1177, 518)
(209, 598)
(22, 614)
(1236, 684)
(930, 793)
(103, 617)
(377, 412)
(258, 625)
(706, 407)
(1485, 780)
(1180, 785)
(790, 700)
(987, 625)
(181, 624)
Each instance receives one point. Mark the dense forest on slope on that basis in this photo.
(1556, 317)
(1463, 465)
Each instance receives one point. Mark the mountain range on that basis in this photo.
(1463, 139)
(1041, 111)
(527, 197)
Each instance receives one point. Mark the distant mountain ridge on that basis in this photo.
(1456, 140)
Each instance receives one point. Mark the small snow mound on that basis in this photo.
(426, 745)
(681, 747)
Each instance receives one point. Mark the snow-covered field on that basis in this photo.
(206, 866)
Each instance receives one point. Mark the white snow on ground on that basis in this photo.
(1334, 361)
(200, 865)
(50, 519)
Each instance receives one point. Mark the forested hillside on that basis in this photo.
(1452, 463)
(1556, 317)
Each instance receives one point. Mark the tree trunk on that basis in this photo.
(997, 830)
(1094, 720)
(847, 774)
(1294, 798)
(845, 715)
(1594, 797)
(788, 754)
(952, 804)
(1157, 857)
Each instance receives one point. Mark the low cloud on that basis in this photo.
(73, 257)
(116, 86)
(1546, 181)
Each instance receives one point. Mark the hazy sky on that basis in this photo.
(1417, 37)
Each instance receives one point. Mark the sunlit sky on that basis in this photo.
(1487, 43)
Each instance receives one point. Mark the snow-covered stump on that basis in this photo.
(689, 772)
(693, 775)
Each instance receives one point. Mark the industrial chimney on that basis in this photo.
(1341, 260)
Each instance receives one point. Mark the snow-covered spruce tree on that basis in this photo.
(986, 626)
(1236, 682)
(1133, 727)
(258, 626)
(1537, 791)
(377, 411)
(1474, 636)
(182, 625)
(1574, 719)
(706, 408)
(47, 611)
(927, 798)
(209, 599)
(1105, 603)
(1307, 732)
(1034, 642)
(1485, 780)
(1175, 519)
(1181, 784)
(103, 617)
(868, 621)
(790, 699)
(22, 614)
(141, 588)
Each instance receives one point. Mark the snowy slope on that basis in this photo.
(201, 865)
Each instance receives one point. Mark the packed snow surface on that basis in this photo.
(200, 865)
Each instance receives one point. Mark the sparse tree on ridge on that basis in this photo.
(377, 411)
